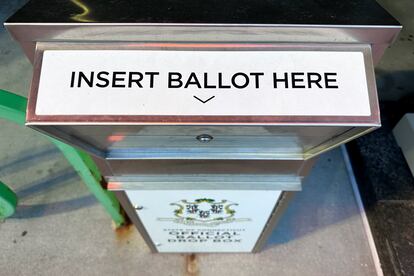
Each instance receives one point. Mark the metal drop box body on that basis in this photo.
(264, 87)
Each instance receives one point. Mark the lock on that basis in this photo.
(204, 138)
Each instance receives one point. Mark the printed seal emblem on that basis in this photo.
(204, 212)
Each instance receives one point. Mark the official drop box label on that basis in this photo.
(204, 220)
(197, 83)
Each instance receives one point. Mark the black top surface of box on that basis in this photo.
(287, 12)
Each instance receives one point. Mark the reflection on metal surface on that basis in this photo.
(235, 137)
(115, 138)
(379, 37)
(82, 17)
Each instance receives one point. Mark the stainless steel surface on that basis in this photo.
(235, 137)
(277, 213)
(200, 167)
(179, 142)
(297, 12)
(286, 175)
(206, 182)
(379, 37)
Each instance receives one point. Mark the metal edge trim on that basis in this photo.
(63, 137)
(372, 120)
(337, 141)
(206, 25)
(242, 186)
(133, 216)
(280, 207)
(361, 208)
(60, 123)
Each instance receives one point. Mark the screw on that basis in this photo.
(137, 207)
(204, 138)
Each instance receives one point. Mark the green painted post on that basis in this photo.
(86, 168)
(13, 108)
(8, 201)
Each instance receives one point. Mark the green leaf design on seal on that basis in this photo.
(209, 200)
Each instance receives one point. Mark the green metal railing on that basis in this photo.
(13, 108)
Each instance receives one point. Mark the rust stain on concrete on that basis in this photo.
(191, 264)
(123, 233)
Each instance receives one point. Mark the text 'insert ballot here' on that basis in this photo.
(211, 83)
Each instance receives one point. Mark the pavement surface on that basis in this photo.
(60, 229)
(387, 189)
(385, 181)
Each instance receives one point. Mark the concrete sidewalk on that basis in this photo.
(59, 229)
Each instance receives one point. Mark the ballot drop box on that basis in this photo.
(204, 117)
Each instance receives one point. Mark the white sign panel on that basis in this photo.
(232, 83)
(204, 220)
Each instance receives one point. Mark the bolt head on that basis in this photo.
(204, 138)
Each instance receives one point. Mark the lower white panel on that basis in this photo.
(204, 220)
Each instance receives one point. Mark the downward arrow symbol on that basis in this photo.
(204, 100)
